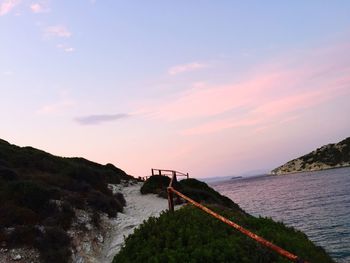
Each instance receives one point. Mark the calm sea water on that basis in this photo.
(317, 203)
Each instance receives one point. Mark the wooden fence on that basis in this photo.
(164, 172)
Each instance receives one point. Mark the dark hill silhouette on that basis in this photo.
(39, 193)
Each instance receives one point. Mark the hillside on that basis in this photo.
(332, 155)
(55, 209)
(47, 201)
(190, 235)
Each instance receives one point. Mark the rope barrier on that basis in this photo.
(241, 229)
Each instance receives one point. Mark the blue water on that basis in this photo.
(317, 203)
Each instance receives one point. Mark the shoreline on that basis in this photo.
(309, 171)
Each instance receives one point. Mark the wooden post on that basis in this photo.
(152, 171)
(160, 172)
(170, 199)
(188, 176)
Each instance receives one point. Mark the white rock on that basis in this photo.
(100, 238)
(17, 257)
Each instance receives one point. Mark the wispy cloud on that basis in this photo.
(62, 104)
(69, 49)
(56, 107)
(100, 118)
(186, 68)
(65, 48)
(6, 6)
(57, 31)
(289, 86)
(8, 73)
(40, 7)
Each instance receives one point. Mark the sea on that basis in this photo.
(317, 203)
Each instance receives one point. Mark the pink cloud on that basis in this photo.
(57, 107)
(204, 101)
(57, 31)
(65, 48)
(63, 103)
(277, 92)
(215, 126)
(186, 68)
(6, 6)
(40, 7)
(277, 110)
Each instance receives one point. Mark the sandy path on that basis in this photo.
(138, 208)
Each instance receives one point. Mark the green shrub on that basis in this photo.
(96, 219)
(121, 199)
(12, 215)
(28, 194)
(197, 190)
(21, 235)
(201, 192)
(54, 245)
(190, 235)
(8, 174)
(156, 184)
(62, 216)
(76, 200)
(103, 203)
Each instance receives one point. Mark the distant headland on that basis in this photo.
(333, 155)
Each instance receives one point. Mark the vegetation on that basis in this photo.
(39, 192)
(197, 190)
(191, 235)
(156, 184)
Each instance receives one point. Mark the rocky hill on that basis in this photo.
(50, 206)
(329, 156)
(68, 210)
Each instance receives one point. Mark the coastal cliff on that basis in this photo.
(69, 210)
(333, 155)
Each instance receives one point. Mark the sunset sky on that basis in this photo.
(212, 88)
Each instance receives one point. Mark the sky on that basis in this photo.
(212, 88)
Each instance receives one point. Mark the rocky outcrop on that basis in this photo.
(334, 155)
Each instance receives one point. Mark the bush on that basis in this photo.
(96, 219)
(197, 190)
(121, 199)
(54, 245)
(62, 216)
(201, 192)
(21, 235)
(156, 184)
(76, 200)
(8, 174)
(28, 194)
(12, 215)
(190, 235)
(103, 203)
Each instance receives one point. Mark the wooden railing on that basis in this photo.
(168, 172)
(164, 172)
(260, 240)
